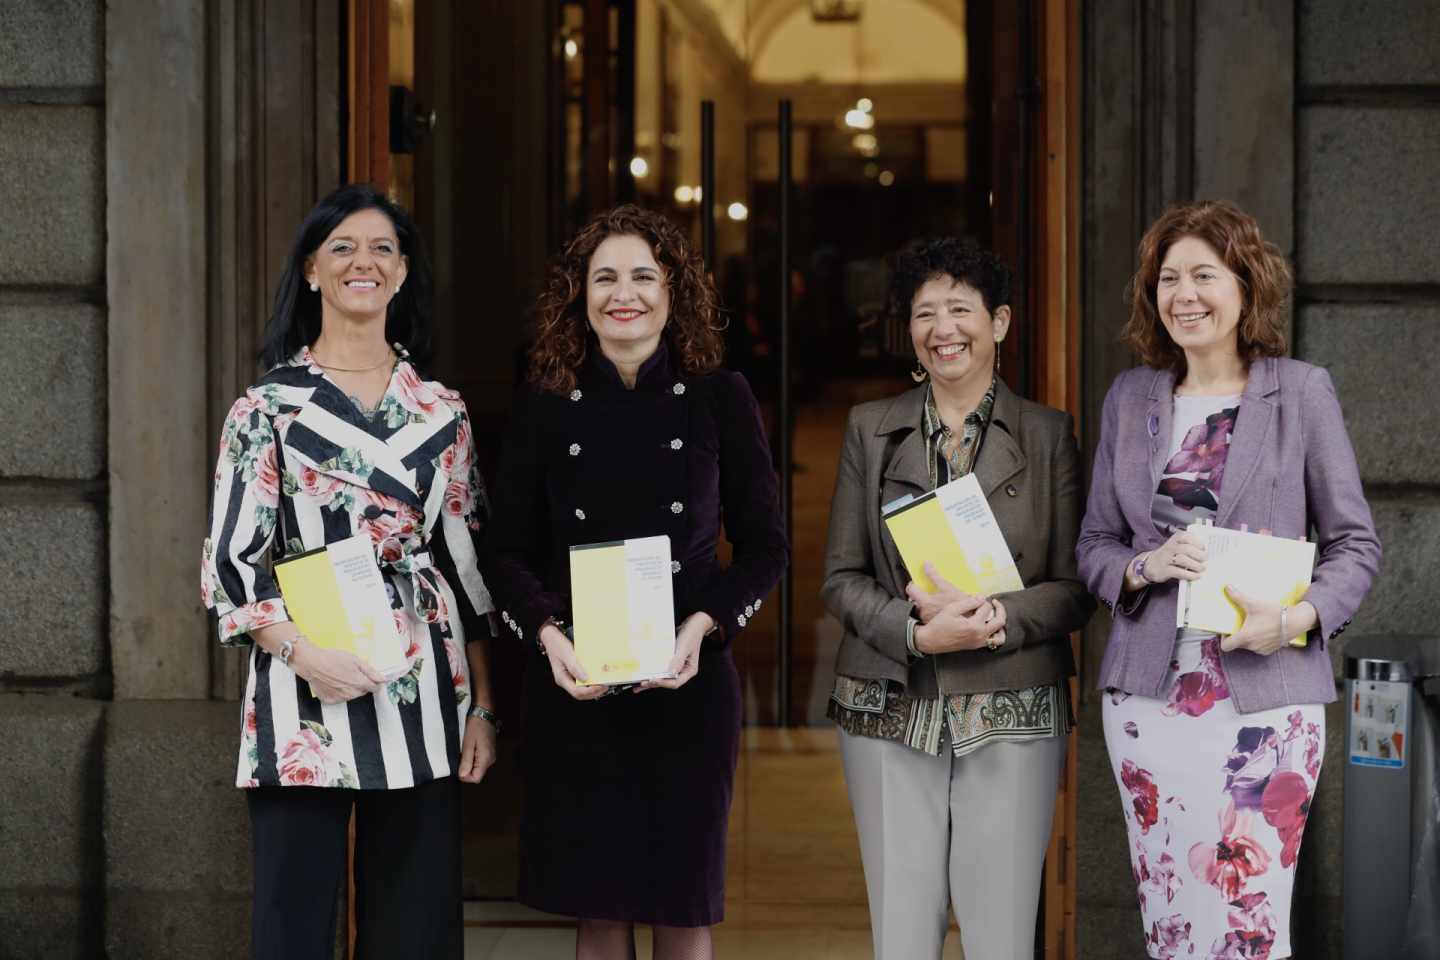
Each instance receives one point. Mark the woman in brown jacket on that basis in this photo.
(953, 708)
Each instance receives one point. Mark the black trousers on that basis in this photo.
(407, 871)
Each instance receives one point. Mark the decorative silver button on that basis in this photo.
(575, 396)
(678, 389)
(676, 507)
(676, 444)
(757, 604)
(740, 619)
(750, 611)
(579, 514)
(574, 449)
(674, 566)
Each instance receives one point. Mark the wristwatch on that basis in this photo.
(287, 649)
(482, 713)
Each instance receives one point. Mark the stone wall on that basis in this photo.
(54, 662)
(1319, 117)
(1367, 228)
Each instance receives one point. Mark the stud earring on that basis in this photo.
(314, 287)
(919, 373)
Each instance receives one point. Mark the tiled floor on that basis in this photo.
(497, 930)
(794, 885)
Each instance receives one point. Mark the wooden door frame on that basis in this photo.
(1057, 367)
(367, 137)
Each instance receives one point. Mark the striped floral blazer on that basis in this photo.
(301, 466)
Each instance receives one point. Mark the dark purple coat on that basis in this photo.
(1290, 468)
(627, 797)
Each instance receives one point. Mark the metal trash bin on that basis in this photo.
(1392, 798)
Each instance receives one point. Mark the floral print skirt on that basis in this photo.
(1215, 803)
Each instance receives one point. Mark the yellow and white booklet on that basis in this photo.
(337, 598)
(624, 609)
(953, 527)
(1273, 569)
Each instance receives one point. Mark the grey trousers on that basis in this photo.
(970, 833)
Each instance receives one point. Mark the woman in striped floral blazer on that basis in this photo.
(343, 437)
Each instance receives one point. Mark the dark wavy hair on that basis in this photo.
(562, 335)
(295, 315)
(1262, 270)
(962, 260)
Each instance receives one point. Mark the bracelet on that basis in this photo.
(910, 626)
(1139, 566)
(478, 712)
(287, 649)
(992, 644)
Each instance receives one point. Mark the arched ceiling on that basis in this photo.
(894, 41)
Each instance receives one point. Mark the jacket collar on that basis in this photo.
(415, 424)
(1252, 425)
(656, 371)
(1001, 454)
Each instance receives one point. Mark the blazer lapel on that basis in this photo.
(1252, 426)
(907, 465)
(1159, 422)
(332, 441)
(1001, 456)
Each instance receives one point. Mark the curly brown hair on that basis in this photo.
(562, 335)
(1262, 270)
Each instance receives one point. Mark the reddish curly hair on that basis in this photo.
(1262, 270)
(562, 335)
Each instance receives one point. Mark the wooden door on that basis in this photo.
(1033, 65)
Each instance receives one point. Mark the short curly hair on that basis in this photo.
(962, 260)
(562, 335)
(1262, 270)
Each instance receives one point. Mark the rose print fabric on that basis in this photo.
(1215, 804)
(300, 466)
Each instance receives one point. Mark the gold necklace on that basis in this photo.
(389, 358)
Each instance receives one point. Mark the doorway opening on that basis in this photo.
(515, 121)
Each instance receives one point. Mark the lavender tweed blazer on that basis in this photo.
(1290, 469)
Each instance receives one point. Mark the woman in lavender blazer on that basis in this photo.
(1216, 742)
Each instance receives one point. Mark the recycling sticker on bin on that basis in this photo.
(1378, 715)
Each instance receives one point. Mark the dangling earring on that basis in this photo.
(998, 341)
(314, 287)
(919, 373)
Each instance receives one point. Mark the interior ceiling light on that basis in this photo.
(836, 11)
(858, 119)
(865, 105)
(572, 49)
(887, 177)
(866, 143)
(738, 211)
(684, 193)
(638, 167)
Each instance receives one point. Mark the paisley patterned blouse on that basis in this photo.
(967, 720)
(301, 466)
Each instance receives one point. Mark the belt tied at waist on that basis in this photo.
(426, 580)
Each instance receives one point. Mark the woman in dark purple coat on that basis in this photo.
(628, 428)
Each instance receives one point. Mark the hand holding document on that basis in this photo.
(953, 528)
(624, 609)
(336, 597)
(1271, 569)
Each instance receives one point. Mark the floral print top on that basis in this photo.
(1190, 483)
(301, 466)
(880, 709)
